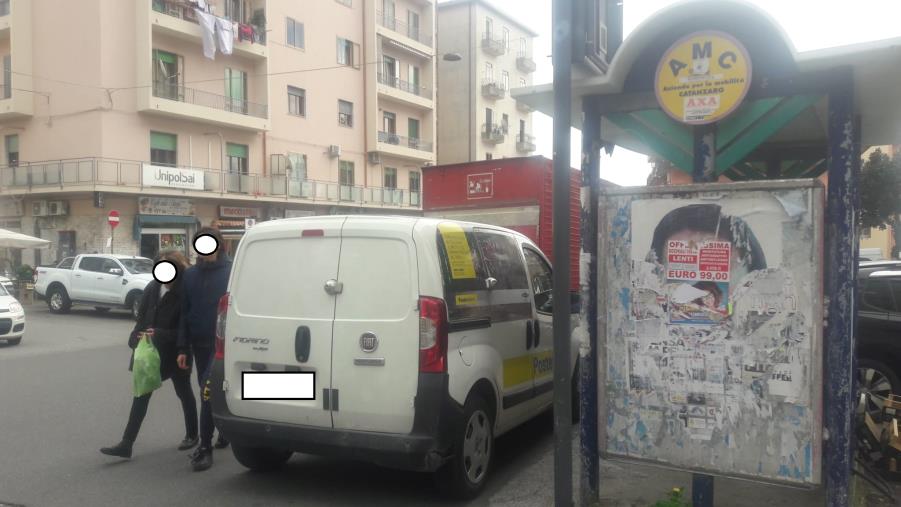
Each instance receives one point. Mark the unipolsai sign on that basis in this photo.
(172, 177)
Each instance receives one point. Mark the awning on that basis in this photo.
(160, 220)
(10, 239)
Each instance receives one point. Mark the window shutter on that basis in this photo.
(161, 141)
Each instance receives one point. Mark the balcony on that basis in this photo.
(398, 27)
(406, 92)
(525, 143)
(174, 100)
(492, 46)
(493, 90)
(493, 133)
(525, 63)
(177, 18)
(135, 177)
(405, 147)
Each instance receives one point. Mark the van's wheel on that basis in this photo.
(464, 476)
(260, 459)
(878, 381)
(58, 300)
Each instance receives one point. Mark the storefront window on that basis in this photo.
(154, 241)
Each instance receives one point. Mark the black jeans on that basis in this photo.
(182, 385)
(203, 359)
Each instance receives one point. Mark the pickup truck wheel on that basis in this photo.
(464, 476)
(58, 300)
(134, 304)
(260, 459)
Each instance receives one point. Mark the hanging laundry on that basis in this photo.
(208, 28)
(201, 4)
(225, 36)
(245, 32)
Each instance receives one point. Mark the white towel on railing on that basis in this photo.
(208, 28)
(225, 36)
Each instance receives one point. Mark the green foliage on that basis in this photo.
(880, 191)
(24, 272)
(675, 499)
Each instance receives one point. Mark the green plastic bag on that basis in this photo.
(146, 368)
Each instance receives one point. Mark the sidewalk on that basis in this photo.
(629, 485)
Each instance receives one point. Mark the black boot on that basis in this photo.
(203, 459)
(121, 450)
(187, 443)
(221, 442)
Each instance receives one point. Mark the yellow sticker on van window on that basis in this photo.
(466, 299)
(458, 251)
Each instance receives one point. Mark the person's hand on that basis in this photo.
(182, 361)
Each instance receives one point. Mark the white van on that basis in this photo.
(427, 337)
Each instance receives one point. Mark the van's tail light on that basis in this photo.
(432, 335)
(220, 326)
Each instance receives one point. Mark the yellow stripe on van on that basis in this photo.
(459, 254)
(522, 369)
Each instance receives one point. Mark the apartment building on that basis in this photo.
(479, 118)
(282, 109)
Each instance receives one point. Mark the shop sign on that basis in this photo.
(703, 78)
(172, 177)
(165, 206)
(480, 186)
(236, 212)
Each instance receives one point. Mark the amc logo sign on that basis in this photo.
(480, 186)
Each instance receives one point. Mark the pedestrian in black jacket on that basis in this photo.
(203, 286)
(159, 317)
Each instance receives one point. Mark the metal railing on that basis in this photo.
(401, 27)
(493, 132)
(211, 100)
(493, 89)
(493, 46)
(407, 142)
(525, 142)
(394, 82)
(84, 174)
(181, 9)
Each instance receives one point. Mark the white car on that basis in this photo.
(7, 284)
(427, 338)
(12, 318)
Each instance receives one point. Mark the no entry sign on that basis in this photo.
(113, 219)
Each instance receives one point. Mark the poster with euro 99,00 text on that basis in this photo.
(711, 354)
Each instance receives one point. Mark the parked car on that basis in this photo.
(101, 281)
(7, 284)
(879, 328)
(428, 338)
(12, 318)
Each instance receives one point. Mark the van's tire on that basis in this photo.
(465, 475)
(58, 300)
(260, 459)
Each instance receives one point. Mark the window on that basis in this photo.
(168, 75)
(236, 10)
(389, 13)
(391, 71)
(522, 48)
(4, 7)
(347, 173)
(12, 150)
(7, 77)
(413, 25)
(297, 164)
(489, 27)
(414, 181)
(502, 260)
(413, 76)
(91, 264)
(489, 156)
(489, 72)
(541, 278)
(413, 129)
(294, 31)
(389, 122)
(66, 263)
(505, 80)
(347, 51)
(506, 32)
(522, 128)
(163, 149)
(505, 123)
(345, 113)
(489, 116)
(237, 158)
(390, 177)
(236, 90)
(877, 296)
(522, 82)
(297, 101)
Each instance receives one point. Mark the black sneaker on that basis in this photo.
(187, 443)
(221, 442)
(120, 450)
(203, 459)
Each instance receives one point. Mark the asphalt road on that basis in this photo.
(66, 391)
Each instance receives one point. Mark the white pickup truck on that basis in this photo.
(101, 281)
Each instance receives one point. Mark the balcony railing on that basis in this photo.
(88, 173)
(401, 27)
(407, 142)
(524, 62)
(211, 100)
(525, 142)
(493, 133)
(491, 89)
(181, 9)
(418, 90)
(492, 46)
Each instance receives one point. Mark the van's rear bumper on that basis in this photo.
(424, 449)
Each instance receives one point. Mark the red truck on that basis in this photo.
(515, 193)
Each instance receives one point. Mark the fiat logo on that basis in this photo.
(369, 342)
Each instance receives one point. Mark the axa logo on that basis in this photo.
(253, 341)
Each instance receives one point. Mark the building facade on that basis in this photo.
(244, 110)
(479, 118)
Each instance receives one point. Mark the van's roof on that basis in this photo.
(288, 223)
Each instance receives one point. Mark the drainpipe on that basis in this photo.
(365, 103)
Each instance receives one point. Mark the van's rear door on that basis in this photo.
(375, 363)
(280, 311)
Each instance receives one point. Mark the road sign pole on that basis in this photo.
(112, 235)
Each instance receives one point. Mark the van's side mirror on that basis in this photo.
(115, 271)
(490, 283)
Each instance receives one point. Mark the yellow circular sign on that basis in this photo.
(703, 78)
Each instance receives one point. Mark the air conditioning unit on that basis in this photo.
(57, 208)
(375, 157)
(39, 208)
(334, 151)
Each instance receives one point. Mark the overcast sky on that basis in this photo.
(810, 24)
